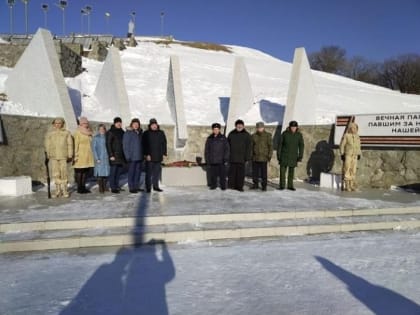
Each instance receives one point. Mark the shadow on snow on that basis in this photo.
(134, 283)
(379, 300)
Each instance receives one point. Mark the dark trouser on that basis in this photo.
(114, 176)
(134, 172)
(290, 176)
(81, 176)
(236, 177)
(217, 171)
(153, 172)
(259, 169)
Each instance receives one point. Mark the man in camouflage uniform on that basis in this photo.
(350, 153)
(59, 149)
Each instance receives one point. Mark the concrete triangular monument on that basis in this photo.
(302, 96)
(37, 81)
(175, 100)
(241, 98)
(111, 92)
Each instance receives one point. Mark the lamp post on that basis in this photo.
(11, 4)
(45, 8)
(107, 18)
(25, 2)
(62, 4)
(88, 11)
(162, 21)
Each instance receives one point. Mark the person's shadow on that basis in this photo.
(379, 300)
(134, 283)
(320, 161)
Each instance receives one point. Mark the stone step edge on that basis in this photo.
(201, 235)
(198, 219)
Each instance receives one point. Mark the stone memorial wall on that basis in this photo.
(23, 153)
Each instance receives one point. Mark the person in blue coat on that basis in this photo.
(133, 152)
(100, 155)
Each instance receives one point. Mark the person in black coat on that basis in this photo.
(240, 143)
(114, 146)
(216, 153)
(154, 148)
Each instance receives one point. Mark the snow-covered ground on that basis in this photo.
(206, 79)
(360, 274)
(194, 201)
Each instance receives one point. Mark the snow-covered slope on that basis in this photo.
(206, 79)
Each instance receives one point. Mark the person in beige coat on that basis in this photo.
(350, 150)
(59, 149)
(83, 155)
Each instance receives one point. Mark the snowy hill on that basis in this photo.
(206, 79)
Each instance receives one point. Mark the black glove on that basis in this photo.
(343, 157)
(299, 160)
(358, 157)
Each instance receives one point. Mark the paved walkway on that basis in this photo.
(194, 200)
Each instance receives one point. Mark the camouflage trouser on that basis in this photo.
(59, 171)
(350, 167)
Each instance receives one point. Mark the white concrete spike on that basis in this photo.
(302, 96)
(175, 98)
(111, 90)
(242, 98)
(37, 81)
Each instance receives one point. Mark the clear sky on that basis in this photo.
(375, 29)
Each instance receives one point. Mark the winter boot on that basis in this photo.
(353, 185)
(64, 190)
(347, 185)
(57, 192)
(101, 185)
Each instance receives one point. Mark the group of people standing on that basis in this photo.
(107, 152)
(240, 147)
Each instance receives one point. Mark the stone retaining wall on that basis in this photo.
(24, 153)
(70, 56)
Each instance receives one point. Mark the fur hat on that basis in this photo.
(153, 121)
(239, 122)
(117, 120)
(135, 120)
(293, 123)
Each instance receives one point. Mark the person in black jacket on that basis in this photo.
(154, 148)
(240, 152)
(114, 146)
(216, 153)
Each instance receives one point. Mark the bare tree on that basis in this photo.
(330, 59)
(403, 73)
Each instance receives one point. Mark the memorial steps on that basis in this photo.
(121, 231)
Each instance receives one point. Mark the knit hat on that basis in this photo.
(293, 123)
(153, 121)
(83, 120)
(239, 122)
(260, 124)
(216, 125)
(117, 120)
(135, 120)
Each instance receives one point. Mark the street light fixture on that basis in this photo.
(11, 4)
(88, 11)
(25, 2)
(45, 8)
(62, 4)
(107, 18)
(162, 21)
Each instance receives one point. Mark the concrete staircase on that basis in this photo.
(119, 231)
